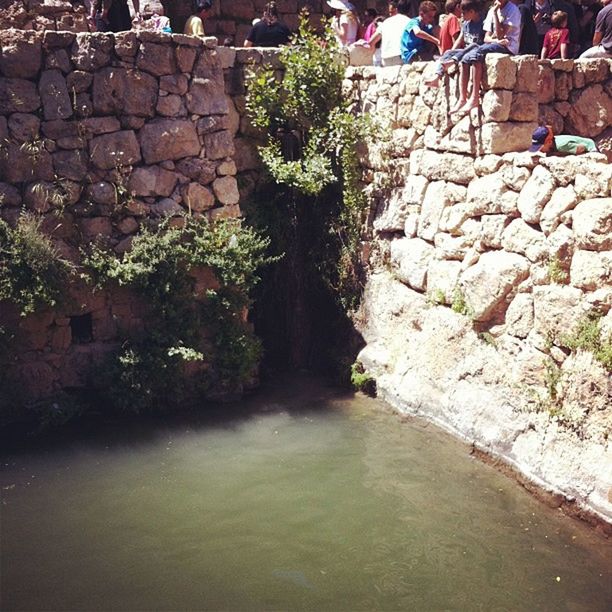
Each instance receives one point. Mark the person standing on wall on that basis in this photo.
(269, 32)
(345, 22)
(194, 25)
(113, 15)
(390, 33)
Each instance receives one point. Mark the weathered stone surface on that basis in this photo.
(95, 126)
(174, 83)
(114, 150)
(103, 193)
(592, 224)
(514, 177)
(156, 59)
(9, 195)
(591, 269)
(79, 81)
(521, 238)
(562, 200)
(519, 316)
(447, 167)
(91, 51)
(411, 257)
(59, 60)
(197, 169)
(486, 284)
(226, 190)
(126, 44)
(442, 278)
(503, 137)
(226, 168)
(546, 84)
(125, 91)
(206, 97)
(92, 228)
(23, 127)
(590, 112)
(167, 208)
(450, 247)
(526, 73)
(168, 139)
(18, 96)
(496, 105)
(185, 58)
(197, 198)
(128, 225)
(490, 195)
(21, 55)
(54, 95)
(70, 164)
(152, 181)
(26, 163)
(438, 196)
(535, 194)
(219, 145)
(557, 310)
(524, 107)
(500, 71)
(171, 106)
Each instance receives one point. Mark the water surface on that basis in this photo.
(303, 500)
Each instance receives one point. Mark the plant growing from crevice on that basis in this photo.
(460, 305)
(33, 273)
(589, 337)
(361, 380)
(556, 272)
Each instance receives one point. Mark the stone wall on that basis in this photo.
(100, 133)
(41, 15)
(484, 257)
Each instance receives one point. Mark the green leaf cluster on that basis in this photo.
(589, 337)
(33, 273)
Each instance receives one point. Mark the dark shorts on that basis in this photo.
(474, 56)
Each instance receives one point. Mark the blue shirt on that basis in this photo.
(473, 32)
(411, 43)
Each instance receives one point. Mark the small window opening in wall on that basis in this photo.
(81, 328)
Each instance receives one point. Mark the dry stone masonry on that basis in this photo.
(100, 132)
(485, 257)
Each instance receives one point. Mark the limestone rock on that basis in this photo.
(557, 309)
(492, 228)
(519, 316)
(508, 136)
(535, 194)
(451, 247)
(592, 224)
(219, 145)
(94, 227)
(486, 284)
(168, 139)
(490, 195)
(110, 151)
(562, 200)
(524, 107)
(200, 170)
(591, 269)
(521, 238)
(125, 91)
(500, 71)
(156, 59)
(226, 190)
(197, 198)
(442, 278)
(446, 167)
(167, 208)
(546, 84)
(590, 112)
(152, 181)
(411, 257)
(496, 105)
(438, 196)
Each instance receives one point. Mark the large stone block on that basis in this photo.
(442, 278)
(535, 194)
(526, 74)
(546, 84)
(21, 55)
(168, 139)
(197, 169)
(18, 96)
(447, 167)
(562, 200)
(26, 163)
(489, 194)
(208, 66)
(54, 94)
(524, 107)
(438, 196)
(557, 310)
(411, 256)
(23, 127)
(591, 111)
(219, 144)
(115, 150)
(124, 91)
(505, 137)
(500, 71)
(156, 59)
(91, 51)
(152, 181)
(496, 105)
(591, 269)
(486, 284)
(592, 224)
(70, 164)
(197, 198)
(226, 190)
(206, 97)
(519, 316)
(521, 238)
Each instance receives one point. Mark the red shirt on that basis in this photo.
(448, 30)
(553, 39)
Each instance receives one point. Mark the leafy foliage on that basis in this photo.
(361, 380)
(311, 147)
(589, 337)
(150, 373)
(32, 271)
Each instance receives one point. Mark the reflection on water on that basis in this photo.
(307, 500)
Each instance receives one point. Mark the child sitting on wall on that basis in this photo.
(556, 40)
(153, 18)
(471, 36)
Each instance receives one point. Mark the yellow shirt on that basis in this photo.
(194, 26)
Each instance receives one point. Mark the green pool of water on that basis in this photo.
(302, 500)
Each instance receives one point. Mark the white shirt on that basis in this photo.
(391, 30)
(511, 18)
